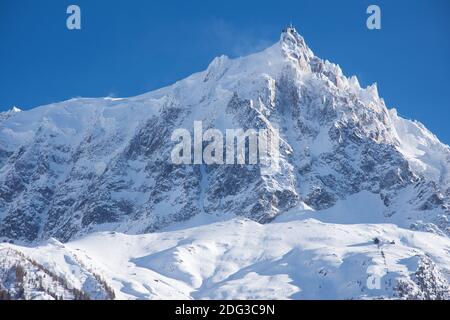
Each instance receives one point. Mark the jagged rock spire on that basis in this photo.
(295, 48)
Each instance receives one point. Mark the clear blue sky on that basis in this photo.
(130, 47)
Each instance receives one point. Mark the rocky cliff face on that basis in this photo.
(85, 165)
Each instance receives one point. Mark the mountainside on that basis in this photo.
(91, 205)
(85, 165)
(208, 259)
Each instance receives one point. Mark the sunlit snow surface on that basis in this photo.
(234, 258)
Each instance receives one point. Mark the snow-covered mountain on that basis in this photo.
(236, 258)
(85, 165)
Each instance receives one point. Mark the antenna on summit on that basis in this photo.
(288, 29)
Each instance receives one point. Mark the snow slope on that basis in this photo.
(240, 259)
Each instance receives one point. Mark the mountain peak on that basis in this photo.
(15, 109)
(291, 30)
(7, 114)
(294, 46)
